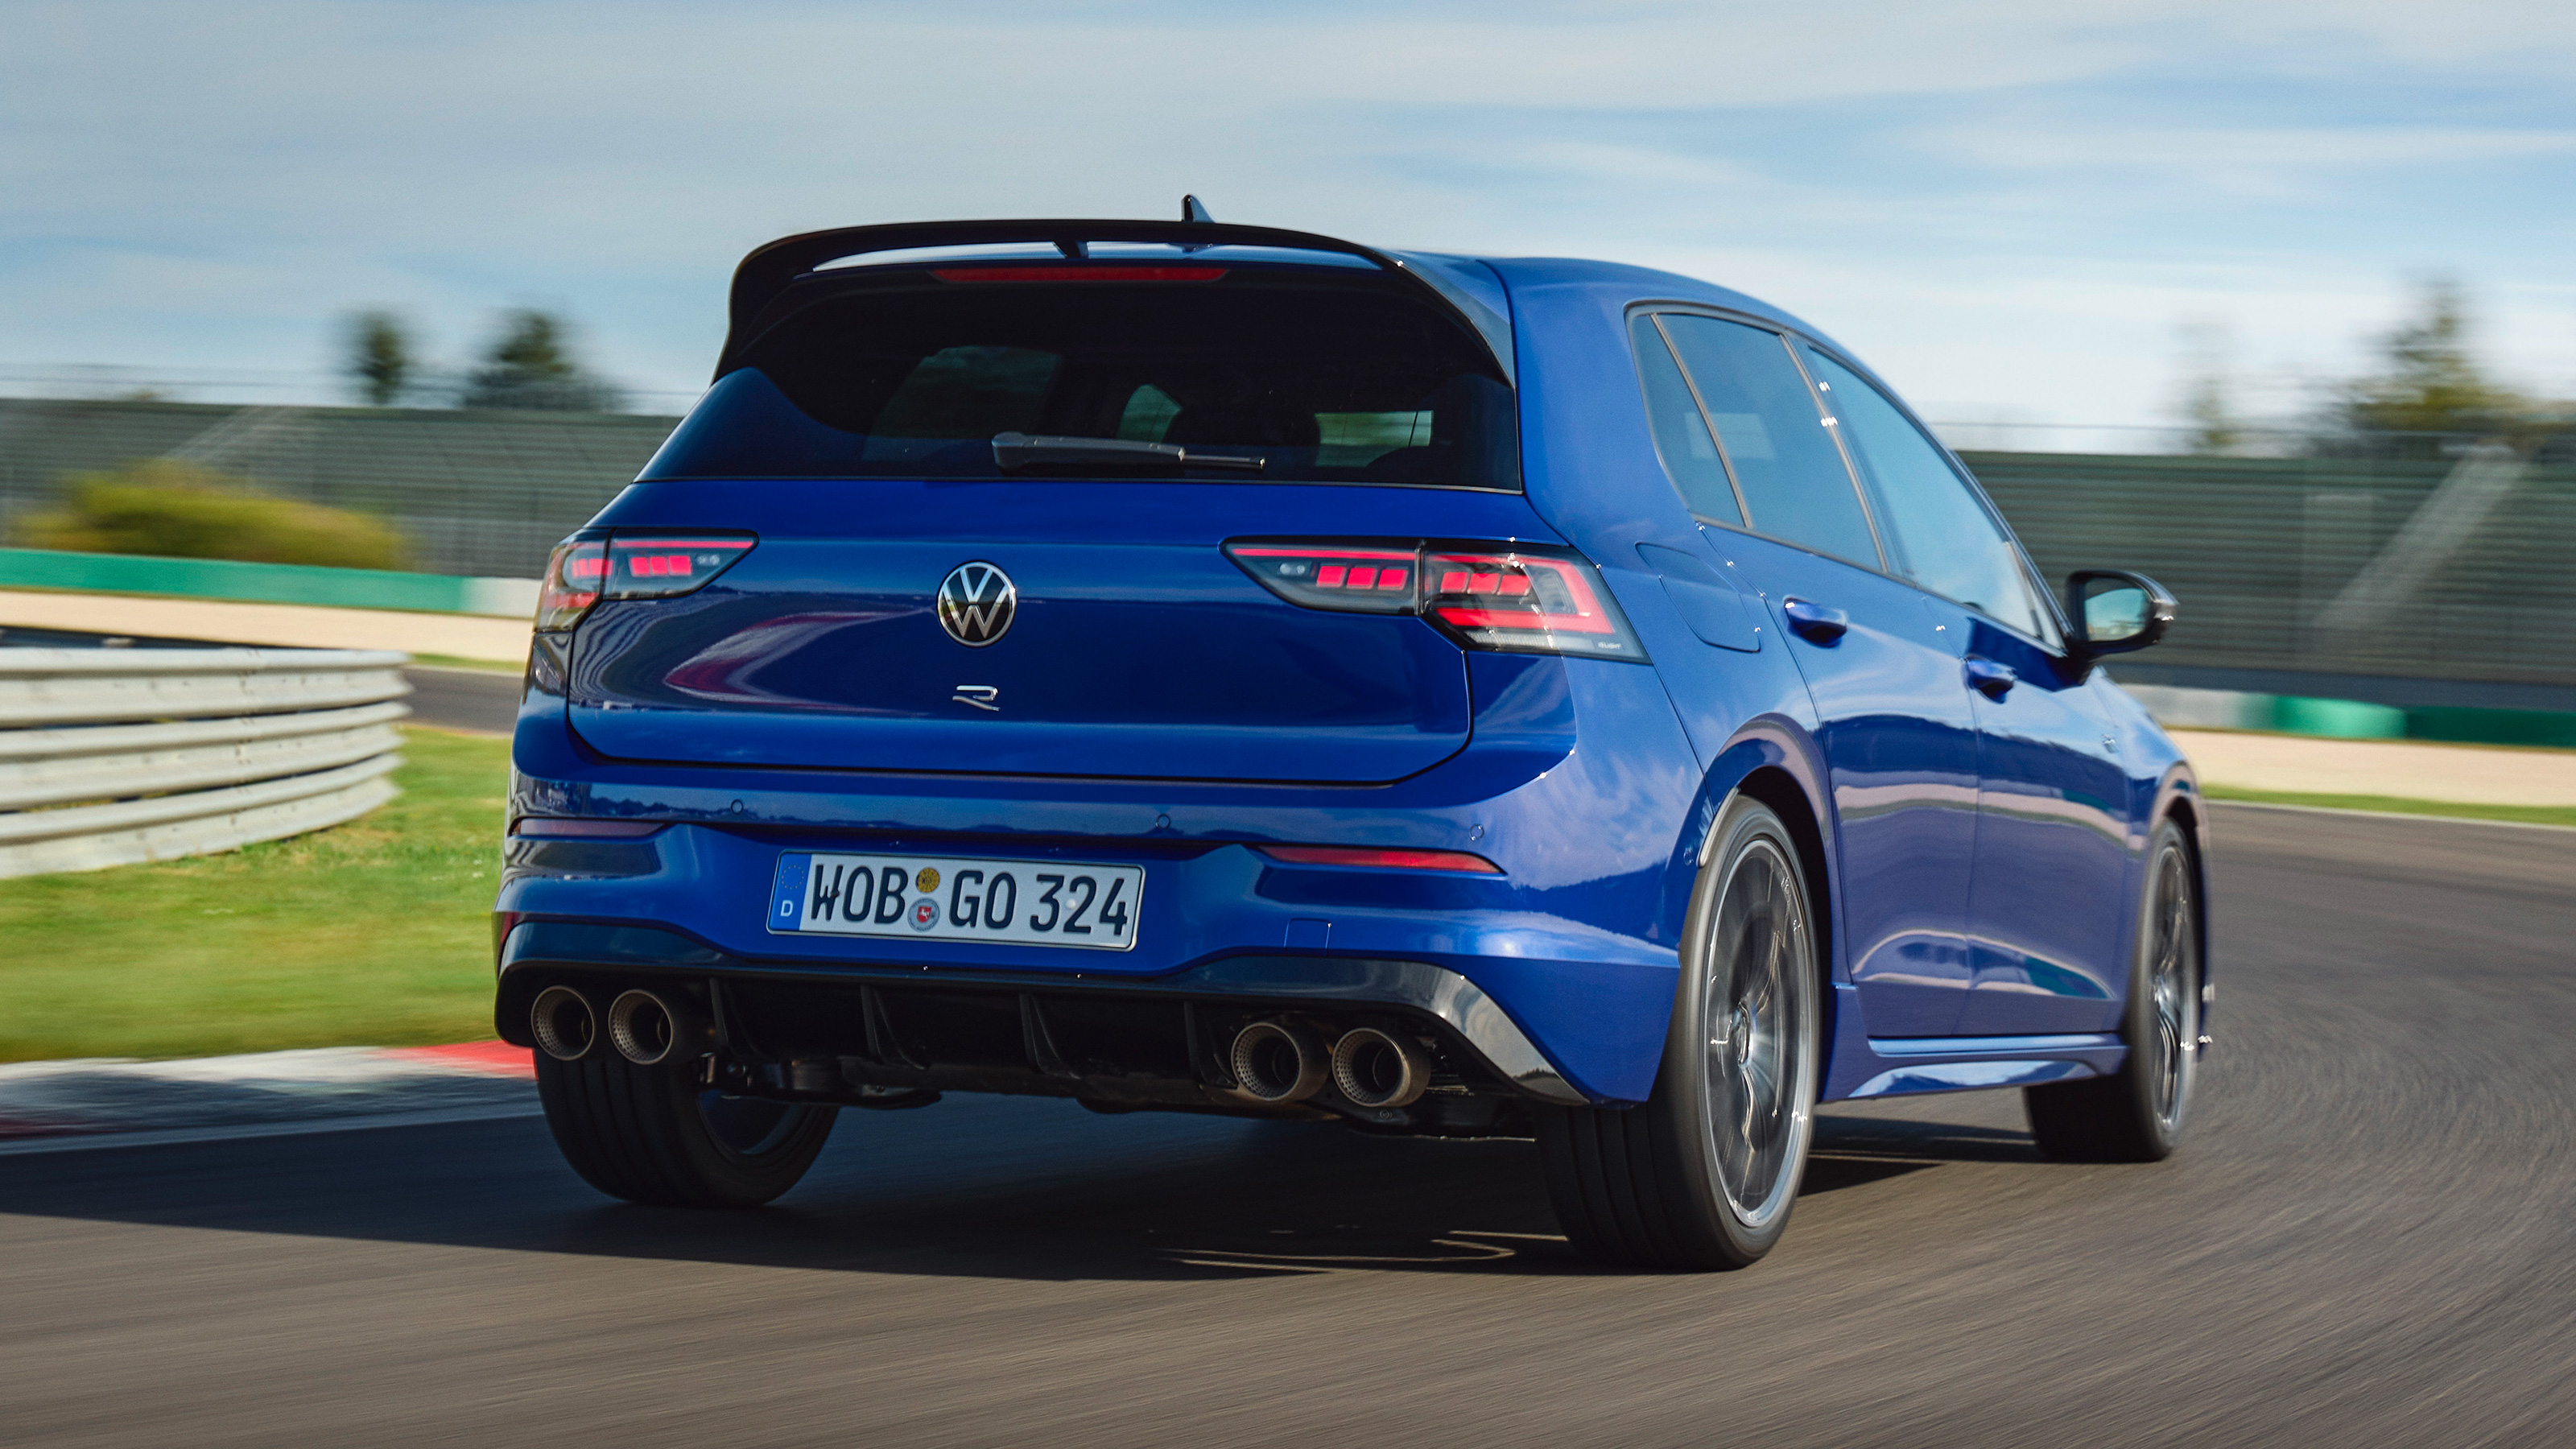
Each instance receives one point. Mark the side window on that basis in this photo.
(1681, 434)
(1774, 439)
(1937, 533)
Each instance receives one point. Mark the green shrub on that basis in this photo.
(177, 510)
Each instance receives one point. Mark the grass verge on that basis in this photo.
(2399, 805)
(371, 933)
(459, 661)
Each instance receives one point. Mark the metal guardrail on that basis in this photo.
(113, 756)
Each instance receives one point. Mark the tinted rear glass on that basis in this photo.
(1323, 377)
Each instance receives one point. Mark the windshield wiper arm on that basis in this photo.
(1014, 451)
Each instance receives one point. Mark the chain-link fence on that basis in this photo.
(2426, 558)
(2440, 566)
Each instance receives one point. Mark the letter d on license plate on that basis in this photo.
(943, 898)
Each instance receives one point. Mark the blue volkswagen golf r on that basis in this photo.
(1191, 667)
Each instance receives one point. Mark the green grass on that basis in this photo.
(371, 933)
(2397, 805)
(458, 661)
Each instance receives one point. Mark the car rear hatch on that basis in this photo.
(985, 509)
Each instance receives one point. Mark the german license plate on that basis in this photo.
(943, 898)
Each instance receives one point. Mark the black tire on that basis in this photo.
(2137, 1113)
(1704, 1173)
(652, 1135)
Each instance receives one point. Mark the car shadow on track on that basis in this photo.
(974, 1188)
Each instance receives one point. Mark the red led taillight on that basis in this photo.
(571, 584)
(631, 566)
(1516, 594)
(1361, 577)
(651, 565)
(1508, 597)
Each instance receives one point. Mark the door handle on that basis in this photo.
(1990, 679)
(1814, 622)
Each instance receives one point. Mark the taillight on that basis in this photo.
(655, 566)
(1362, 578)
(1513, 598)
(627, 565)
(573, 577)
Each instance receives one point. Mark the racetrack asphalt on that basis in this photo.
(2369, 1238)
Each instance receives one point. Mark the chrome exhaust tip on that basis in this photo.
(562, 1023)
(1380, 1069)
(1277, 1063)
(650, 1029)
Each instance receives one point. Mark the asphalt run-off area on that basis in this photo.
(2367, 1240)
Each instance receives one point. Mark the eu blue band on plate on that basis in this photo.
(787, 904)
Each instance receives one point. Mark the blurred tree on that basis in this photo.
(2429, 382)
(532, 366)
(380, 359)
(2209, 387)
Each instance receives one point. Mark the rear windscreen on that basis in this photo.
(1321, 378)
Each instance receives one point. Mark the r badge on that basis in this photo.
(977, 602)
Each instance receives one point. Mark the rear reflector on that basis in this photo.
(1457, 860)
(1079, 274)
(552, 827)
(626, 565)
(1512, 598)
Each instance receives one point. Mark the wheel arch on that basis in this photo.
(2179, 800)
(1774, 762)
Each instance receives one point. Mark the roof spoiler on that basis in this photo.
(767, 272)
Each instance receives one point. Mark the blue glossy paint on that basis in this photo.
(1895, 729)
(1980, 861)
(2047, 909)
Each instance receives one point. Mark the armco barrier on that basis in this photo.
(111, 756)
(267, 583)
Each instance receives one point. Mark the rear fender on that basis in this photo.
(1775, 761)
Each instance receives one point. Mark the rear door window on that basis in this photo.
(1681, 434)
(1937, 532)
(1774, 438)
(1264, 373)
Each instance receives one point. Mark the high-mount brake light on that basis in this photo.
(1374, 857)
(631, 566)
(1513, 598)
(1078, 274)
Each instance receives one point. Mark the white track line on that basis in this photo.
(2386, 814)
(361, 1122)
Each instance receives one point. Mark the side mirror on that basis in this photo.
(2116, 611)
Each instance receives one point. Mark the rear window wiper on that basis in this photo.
(1015, 451)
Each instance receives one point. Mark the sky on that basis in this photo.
(2010, 209)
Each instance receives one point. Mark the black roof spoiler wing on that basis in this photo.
(767, 272)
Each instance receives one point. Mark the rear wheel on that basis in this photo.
(2136, 1114)
(653, 1135)
(1704, 1173)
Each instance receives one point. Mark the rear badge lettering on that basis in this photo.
(977, 603)
(982, 696)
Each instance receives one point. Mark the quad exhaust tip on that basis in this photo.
(562, 1022)
(1380, 1069)
(1279, 1063)
(650, 1029)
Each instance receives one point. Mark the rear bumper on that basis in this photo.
(536, 954)
(1571, 947)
